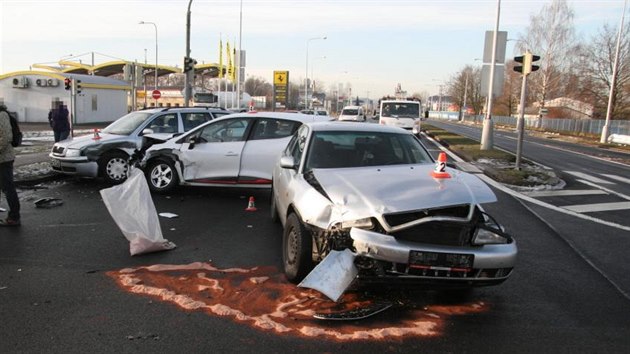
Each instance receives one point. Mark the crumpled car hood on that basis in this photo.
(366, 191)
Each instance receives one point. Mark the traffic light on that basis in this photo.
(526, 59)
(189, 64)
(68, 83)
(78, 87)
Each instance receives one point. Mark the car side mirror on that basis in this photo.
(192, 141)
(288, 162)
(147, 131)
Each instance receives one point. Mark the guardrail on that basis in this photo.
(576, 126)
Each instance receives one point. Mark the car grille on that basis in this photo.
(445, 233)
(57, 150)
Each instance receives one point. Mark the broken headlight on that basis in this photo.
(73, 152)
(488, 236)
(365, 223)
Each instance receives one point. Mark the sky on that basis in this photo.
(370, 45)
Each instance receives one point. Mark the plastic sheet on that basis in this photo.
(131, 206)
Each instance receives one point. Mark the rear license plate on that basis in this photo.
(441, 261)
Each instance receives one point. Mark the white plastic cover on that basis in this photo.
(132, 208)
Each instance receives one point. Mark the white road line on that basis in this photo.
(592, 208)
(561, 193)
(588, 177)
(609, 191)
(617, 178)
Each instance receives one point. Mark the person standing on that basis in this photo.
(58, 118)
(7, 156)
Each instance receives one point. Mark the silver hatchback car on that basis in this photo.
(373, 190)
(107, 154)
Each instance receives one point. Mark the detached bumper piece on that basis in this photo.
(385, 259)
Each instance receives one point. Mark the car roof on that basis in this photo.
(300, 117)
(356, 126)
(184, 109)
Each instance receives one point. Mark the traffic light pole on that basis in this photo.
(521, 123)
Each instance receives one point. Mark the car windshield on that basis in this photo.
(322, 113)
(128, 123)
(401, 110)
(341, 149)
(350, 112)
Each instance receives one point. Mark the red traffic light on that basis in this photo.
(68, 83)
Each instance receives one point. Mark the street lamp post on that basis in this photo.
(156, 53)
(306, 83)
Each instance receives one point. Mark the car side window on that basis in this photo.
(296, 146)
(271, 128)
(194, 119)
(225, 131)
(166, 123)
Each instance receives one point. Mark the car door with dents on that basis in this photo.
(213, 154)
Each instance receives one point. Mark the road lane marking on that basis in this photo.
(609, 191)
(593, 208)
(561, 193)
(588, 177)
(617, 178)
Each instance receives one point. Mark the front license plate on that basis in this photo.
(55, 163)
(441, 261)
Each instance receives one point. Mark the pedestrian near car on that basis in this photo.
(7, 157)
(58, 118)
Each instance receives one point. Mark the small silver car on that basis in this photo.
(107, 154)
(374, 190)
(238, 150)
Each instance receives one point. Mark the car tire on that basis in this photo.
(296, 250)
(114, 167)
(162, 176)
(275, 218)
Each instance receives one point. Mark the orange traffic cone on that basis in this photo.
(251, 205)
(96, 135)
(440, 167)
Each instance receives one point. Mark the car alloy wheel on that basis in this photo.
(162, 176)
(296, 250)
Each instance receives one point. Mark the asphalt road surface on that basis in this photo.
(68, 284)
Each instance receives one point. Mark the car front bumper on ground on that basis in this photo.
(488, 264)
(79, 166)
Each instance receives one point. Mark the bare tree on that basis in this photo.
(456, 87)
(551, 35)
(596, 67)
(507, 103)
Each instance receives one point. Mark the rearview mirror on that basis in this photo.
(287, 162)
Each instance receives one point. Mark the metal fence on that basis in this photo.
(575, 126)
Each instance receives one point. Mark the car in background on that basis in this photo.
(352, 113)
(319, 112)
(107, 153)
(373, 190)
(238, 150)
(401, 113)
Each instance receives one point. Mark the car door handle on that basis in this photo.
(231, 154)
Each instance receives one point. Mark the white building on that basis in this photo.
(30, 94)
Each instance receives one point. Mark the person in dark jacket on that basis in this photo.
(7, 156)
(58, 117)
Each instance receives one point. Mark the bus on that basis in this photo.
(401, 113)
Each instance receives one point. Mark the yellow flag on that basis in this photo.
(229, 59)
(233, 63)
(220, 58)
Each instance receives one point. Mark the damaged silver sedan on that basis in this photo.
(373, 192)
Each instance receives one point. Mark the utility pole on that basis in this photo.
(190, 74)
(488, 129)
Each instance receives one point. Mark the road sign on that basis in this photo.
(156, 94)
(280, 77)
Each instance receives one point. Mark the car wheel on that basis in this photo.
(296, 250)
(162, 176)
(114, 167)
(274, 212)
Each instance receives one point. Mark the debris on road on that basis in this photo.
(47, 203)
